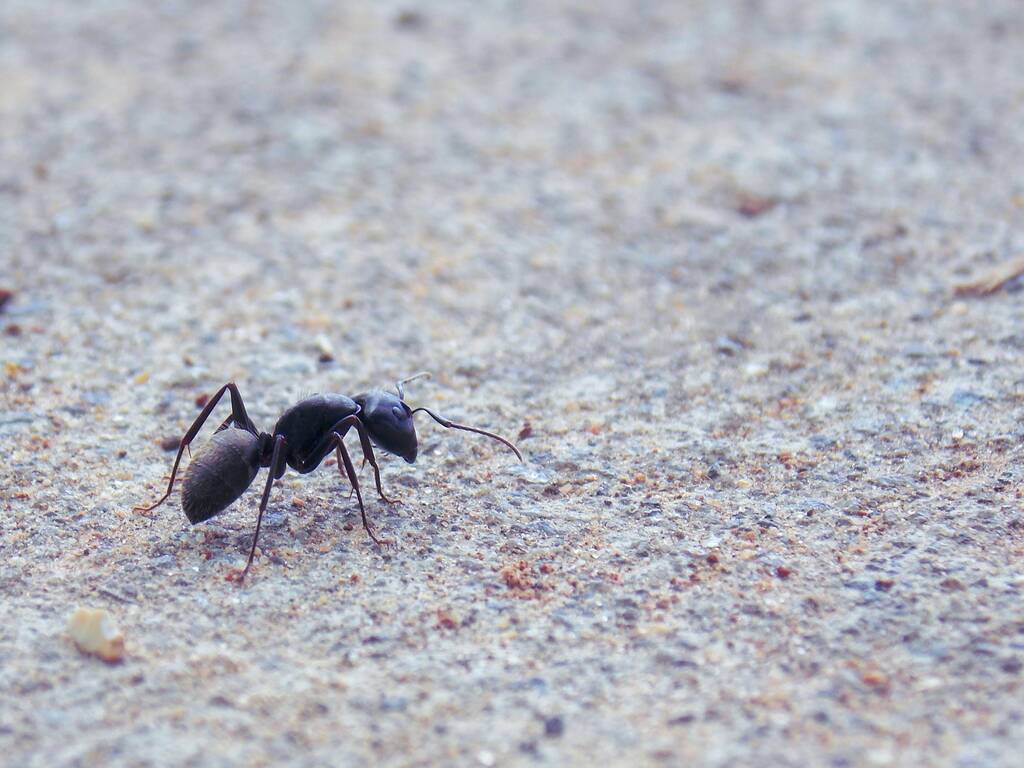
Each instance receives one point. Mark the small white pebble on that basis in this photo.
(94, 631)
(755, 370)
(324, 349)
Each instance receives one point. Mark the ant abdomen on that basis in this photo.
(220, 473)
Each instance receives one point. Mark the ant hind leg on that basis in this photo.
(238, 415)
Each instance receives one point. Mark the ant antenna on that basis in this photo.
(399, 385)
(453, 425)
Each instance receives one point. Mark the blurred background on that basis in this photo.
(697, 258)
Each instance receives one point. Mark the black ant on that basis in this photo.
(303, 437)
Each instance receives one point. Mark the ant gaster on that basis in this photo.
(303, 437)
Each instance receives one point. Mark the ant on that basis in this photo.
(302, 438)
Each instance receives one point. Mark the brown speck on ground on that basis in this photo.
(751, 205)
(522, 580)
(700, 256)
(445, 620)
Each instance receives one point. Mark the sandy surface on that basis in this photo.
(771, 507)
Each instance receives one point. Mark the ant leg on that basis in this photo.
(343, 456)
(341, 428)
(275, 465)
(453, 425)
(368, 456)
(239, 416)
(311, 460)
(361, 468)
(326, 445)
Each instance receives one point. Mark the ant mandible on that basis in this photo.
(302, 438)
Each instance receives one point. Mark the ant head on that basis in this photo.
(389, 422)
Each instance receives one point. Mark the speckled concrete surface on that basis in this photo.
(700, 256)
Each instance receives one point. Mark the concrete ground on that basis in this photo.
(698, 259)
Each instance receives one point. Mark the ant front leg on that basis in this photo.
(361, 468)
(368, 456)
(341, 428)
(335, 440)
(343, 459)
(238, 415)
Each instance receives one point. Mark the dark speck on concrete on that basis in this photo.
(554, 726)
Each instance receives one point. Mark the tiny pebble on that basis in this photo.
(751, 206)
(94, 632)
(325, 350)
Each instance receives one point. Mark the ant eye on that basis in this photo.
(398, 413)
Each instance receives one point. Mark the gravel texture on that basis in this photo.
(697, 258)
